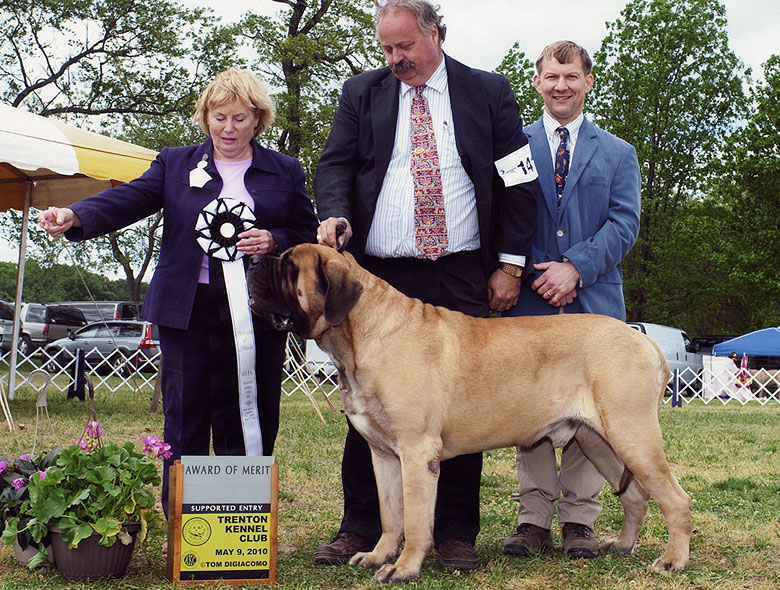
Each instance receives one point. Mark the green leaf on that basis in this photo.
(9, 534)
(107, 526)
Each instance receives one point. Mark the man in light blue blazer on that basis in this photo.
(587, 222)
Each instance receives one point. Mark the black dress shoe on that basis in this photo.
(457, 554)
(341, 549)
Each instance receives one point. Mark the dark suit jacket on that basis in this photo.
(274, 180)
(487, 125)
(597, 223)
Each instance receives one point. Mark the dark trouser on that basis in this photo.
(457, 282)
(200, 384)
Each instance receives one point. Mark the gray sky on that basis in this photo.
(481, 32)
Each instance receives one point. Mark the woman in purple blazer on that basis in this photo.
(187, 296)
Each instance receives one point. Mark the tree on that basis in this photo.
(59, 282)
(749, 188)
(105, 57)
(307, 50)
(519, 70)
(136, 64)
(667, 82)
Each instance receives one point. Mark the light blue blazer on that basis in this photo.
(596, 225)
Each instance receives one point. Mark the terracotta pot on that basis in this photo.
(90, 561)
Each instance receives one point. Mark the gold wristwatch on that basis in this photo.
(511, 269)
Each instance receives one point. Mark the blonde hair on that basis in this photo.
(232, 85)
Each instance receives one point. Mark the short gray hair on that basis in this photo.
(428, 17)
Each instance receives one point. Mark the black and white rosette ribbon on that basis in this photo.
(218, 226)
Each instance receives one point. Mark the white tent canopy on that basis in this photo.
(44, 163)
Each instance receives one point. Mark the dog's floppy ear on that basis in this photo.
(342, 290)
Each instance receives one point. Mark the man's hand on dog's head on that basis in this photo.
(334, 232)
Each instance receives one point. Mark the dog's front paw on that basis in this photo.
(369, 560)
(616, 546)
(393, 574)
(665, 564)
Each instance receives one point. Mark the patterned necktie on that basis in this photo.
(561, 162)
(430, 226)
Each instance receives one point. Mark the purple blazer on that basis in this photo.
(275, 182)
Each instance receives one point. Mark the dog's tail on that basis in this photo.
(625, 481)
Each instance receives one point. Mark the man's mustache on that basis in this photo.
(402, 66)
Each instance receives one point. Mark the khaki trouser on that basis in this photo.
(575, 487)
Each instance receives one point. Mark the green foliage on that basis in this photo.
(519, 70)
(749, 186)
(61, 282)
(90, 488)
(667, 82)
(110, 57)
(308, 49)
(139, 64)
(15, 477)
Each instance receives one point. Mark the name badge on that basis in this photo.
(517, 167)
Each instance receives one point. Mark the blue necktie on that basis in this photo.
(561, 162)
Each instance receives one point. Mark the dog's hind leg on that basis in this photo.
(387, 469)
(632, 496)
(646, 459)
(420, 474)
(653, 473)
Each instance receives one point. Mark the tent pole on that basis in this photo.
(19, 287)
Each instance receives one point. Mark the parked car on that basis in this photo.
(6, 325)
(125, 345)
(97, 311)
(42, 324)
(678, 349)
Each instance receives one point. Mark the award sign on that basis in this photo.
(222, 520)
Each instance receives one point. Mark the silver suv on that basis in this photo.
(42, 324)
(125, 346)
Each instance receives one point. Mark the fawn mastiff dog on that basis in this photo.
(423, 384)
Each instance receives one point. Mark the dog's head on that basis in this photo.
(307, 289)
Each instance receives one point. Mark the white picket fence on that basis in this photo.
(310, 373)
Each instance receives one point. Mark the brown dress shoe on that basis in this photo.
(341, 549)
(528, 540)
(457, 554)
(578, 541)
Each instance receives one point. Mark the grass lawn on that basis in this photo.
(727, 458)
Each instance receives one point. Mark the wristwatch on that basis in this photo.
(511, 269)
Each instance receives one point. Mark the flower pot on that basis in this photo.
(90, 561)
(24, 556)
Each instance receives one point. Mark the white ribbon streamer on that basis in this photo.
(244, 336)
(218, 226)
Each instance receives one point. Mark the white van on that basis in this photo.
(678, 348)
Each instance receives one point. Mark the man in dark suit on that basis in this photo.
(428, 165)
(588, 221)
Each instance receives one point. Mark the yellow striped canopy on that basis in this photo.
(66, 163)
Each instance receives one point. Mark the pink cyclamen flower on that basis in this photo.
(18, 483)
(3, 466)
(149, 443)
(164, 451)
(93, 430)
(156, 448)
(82, 444)
(42, 474)
(24, 458)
